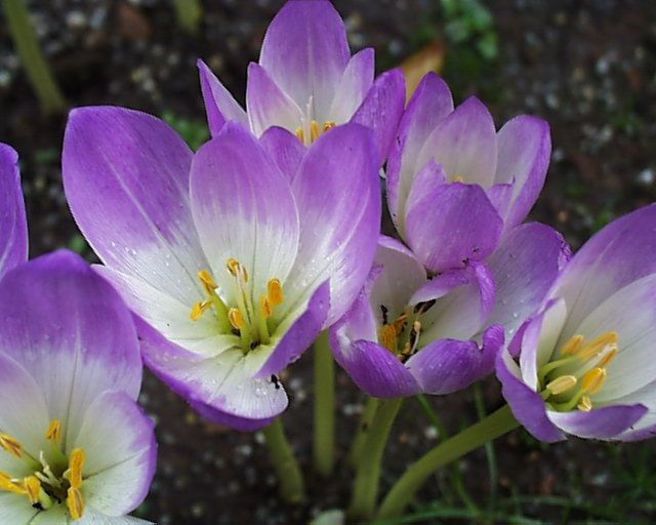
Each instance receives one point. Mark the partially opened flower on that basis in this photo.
(455, 185)
(13, 225)
(585, 364)
(74, 446)
(407, 334)
(232, 264)
(307, 81)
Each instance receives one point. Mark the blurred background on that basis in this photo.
(588, 67)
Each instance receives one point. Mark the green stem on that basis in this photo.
(27, 47)
(493, 426)
(290, 478)
(363, 431)
(189, 13)
(367, 477)
(324, 406)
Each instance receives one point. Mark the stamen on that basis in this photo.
(388, 337)
(199, 309)
(300, 135)
(458, 178)
(11, 445)
(585, 404)
(236, 319)
(208, 281)
(573, 345)
(275, 293)
(75, 467)
(608, 358)
(267, 310)
(328, 125)
(315, 132)
(8, 485)
(33, 488)
(75, 503)
(561, 384)
(597, 345)
(54, 432)
(236, 269)
(593, 380)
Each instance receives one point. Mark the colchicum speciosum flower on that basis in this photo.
(233, 258)
(307, 82)
(74, 445)
(455, 185)
(13, 224)
(585, 361)
(408, 334)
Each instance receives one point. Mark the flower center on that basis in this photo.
(309, 131)
(401, 336)
(54, 479)
(248, 319)
(578, 372)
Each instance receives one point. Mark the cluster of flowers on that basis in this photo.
(233, 259)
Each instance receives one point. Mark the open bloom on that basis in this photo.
(74, 446)
(233, 260)
(586, 363)
(455, 185)
(307, 82)
(13, 224)
(407, 334)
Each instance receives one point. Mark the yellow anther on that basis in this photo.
(54, 432)
(8, 485)
(236, 319)
(315, 131)
(388, 337)
(33, 489)
(11, 445)
(236, 269)
(597, 345)
(561, 384)
(199, 309)
(75, 503)
(75, 467)
(267, 310)
(458, 178)
(208, 281)
(593, 380)
(300, 135)
(416, 326)
(608, 358)
(328, 125)
(573, 345)
(275, 293)
(585, 404)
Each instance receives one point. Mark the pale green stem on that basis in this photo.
(324, 406)
(402, 493)
(363, 431)
(189, 13)
(367, 476)
(290, 478)
(27, 47)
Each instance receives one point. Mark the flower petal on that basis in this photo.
(382, 110)
(430, 103)
(16, 510)
(267, 104)
(121, 453)
(220, 105)
(527, 405)
(285, 149)
(354, 85)
(465, 143)
(91, 517)
(243, 208)
(524, 154)
(70, 329)
(13, 224)
(126, 176)
(305, 51)
(338, 197)
(600, 423)
(452, 224)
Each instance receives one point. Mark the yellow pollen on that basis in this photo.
(236, 269)
(267, 310)
(388, 337)
(593, 380)
(585, 404)
(199, 309)
(315, 132)
(573, 345)
(75, 503)
(416, 326)
(11, 445)
(275, 293)
(597, 345)
(75, 466)
(608, 358)
(561, 384)
(236, 319)
(32, 488)
(54, 432)
(328, 125)
(208, 281)
(7, 485)
(458, 178)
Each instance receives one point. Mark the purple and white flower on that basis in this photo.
(74, 445)
(408, 334)
(307, 82)
(455, 185)
(233, 258)
(586, 360)
(13, 224)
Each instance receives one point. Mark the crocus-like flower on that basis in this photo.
(13, 225)
(406, 334)
(455, 185)
(74, 446)
(307, 82)
(586, 360)
(235, 259)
